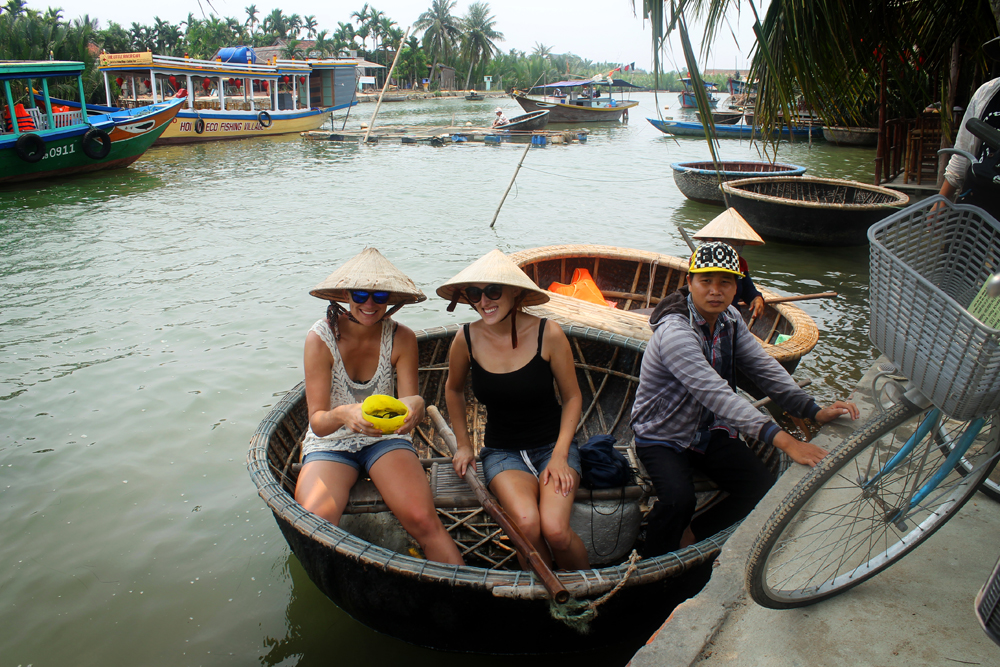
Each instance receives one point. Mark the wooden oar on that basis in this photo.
(801, 297)
(687, 239)
(521, 543)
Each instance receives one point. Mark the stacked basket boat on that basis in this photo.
(812, 211)
(700, 181)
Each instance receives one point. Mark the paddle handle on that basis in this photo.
(521, 543)
(801, 297)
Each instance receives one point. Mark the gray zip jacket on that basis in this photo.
(677, 384)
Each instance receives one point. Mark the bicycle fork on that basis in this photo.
(897, 515)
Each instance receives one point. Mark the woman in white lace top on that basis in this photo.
(349, 356)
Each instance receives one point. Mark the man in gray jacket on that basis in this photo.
(687, 415)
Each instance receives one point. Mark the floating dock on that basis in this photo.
(440, 135)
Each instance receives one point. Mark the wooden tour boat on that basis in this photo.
(52, 140)
(586, 106)
(699, 181)
(636, 280)
(812, 211)
(735, 131)
(475, 97)
(365, 566)
(529, 122)
(234, 97)
(687, 98)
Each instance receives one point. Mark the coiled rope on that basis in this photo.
(579, 614)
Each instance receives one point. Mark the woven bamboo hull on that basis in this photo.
(851, 136)
(812, 211)
(624, 276)
(699, 181)
(444, 606)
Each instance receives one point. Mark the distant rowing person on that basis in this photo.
(500, 120)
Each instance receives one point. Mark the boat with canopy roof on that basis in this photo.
(585, 105)
(233, 96)
(41, 138)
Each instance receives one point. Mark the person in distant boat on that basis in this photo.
(350, 355)
(687, 415)
(732, 229)
(558, 93)
(500, 120)
(984, 105)
(530, 460)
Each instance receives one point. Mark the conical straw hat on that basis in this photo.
(368, 270)
(492, 268)
(729, 226)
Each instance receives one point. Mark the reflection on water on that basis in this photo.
(150, 316)
(318, 632)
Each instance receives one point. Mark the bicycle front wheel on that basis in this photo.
(853, 515)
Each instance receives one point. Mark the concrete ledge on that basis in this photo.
(683, 637)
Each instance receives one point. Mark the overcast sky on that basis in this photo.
(599, 30)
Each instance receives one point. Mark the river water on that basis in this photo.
(151, 316)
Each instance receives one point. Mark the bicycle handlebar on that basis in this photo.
(989, 135)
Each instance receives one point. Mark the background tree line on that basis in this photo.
(468, 43)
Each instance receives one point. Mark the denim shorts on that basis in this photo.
(365, 458)
(495, 461)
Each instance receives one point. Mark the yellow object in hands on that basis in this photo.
(384, 412)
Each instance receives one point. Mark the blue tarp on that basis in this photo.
(237, 54)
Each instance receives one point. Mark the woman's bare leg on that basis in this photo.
(517, 492)
(555, 509)
(401, 480)
(324, 487)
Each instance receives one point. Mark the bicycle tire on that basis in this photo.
(796, 560)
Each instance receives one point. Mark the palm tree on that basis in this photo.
(541, 50)
(324, 44)
(361, 17)
(477, 41)
(344, 35)
(251, 17)
(291, 51)
(309, 23)
(276, 23)
(441, 30)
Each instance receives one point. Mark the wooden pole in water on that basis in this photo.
(521, 543)
(371, 123)
(801, 297)
(509, 186)
(687, 239)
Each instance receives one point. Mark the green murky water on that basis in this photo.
(149, 318)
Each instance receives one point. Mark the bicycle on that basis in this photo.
(910, 468)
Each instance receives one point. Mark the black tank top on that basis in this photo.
(521, 407)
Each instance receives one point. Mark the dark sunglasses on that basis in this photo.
(361, 296)
(492, 292)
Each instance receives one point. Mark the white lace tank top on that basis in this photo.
(345, 391)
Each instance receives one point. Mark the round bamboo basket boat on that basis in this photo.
(812, 211)
(699, 181)
(368, 568)
(636, 280)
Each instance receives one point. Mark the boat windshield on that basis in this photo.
(28, 89)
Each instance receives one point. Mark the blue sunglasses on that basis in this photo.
(361, 296)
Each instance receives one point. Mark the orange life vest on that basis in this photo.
(582, 287)
(24, 120)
